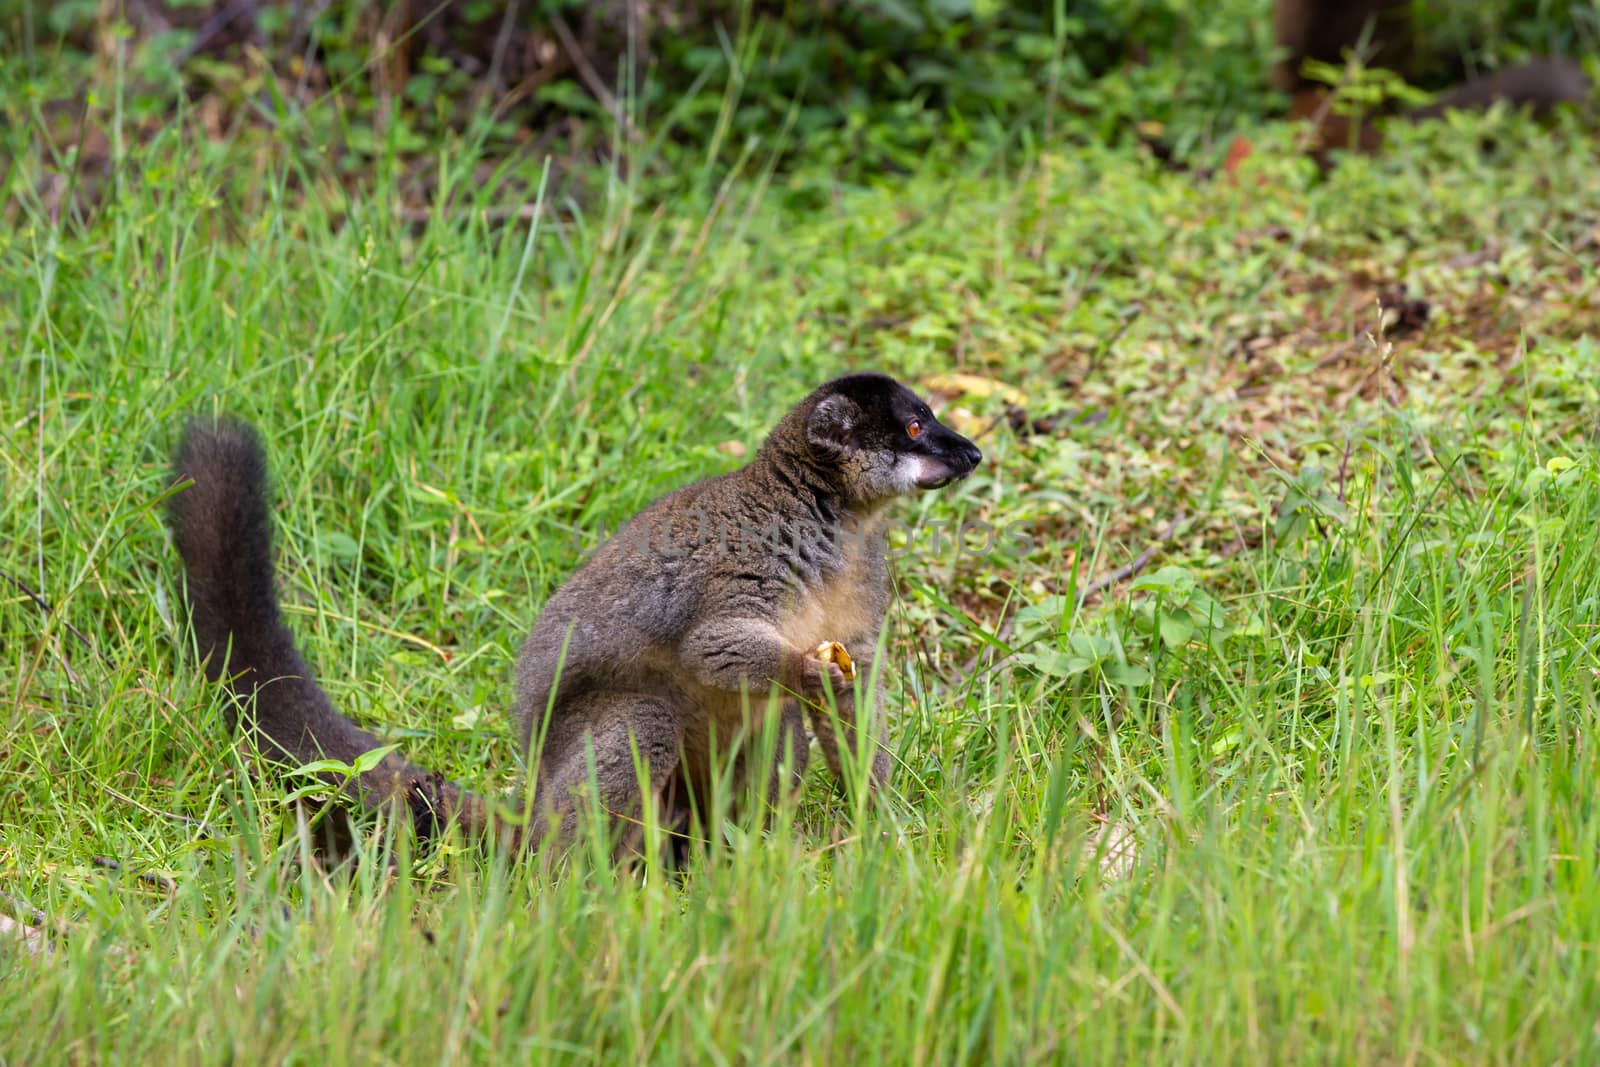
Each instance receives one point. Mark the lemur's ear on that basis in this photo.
(832, 423)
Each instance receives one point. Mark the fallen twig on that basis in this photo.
(1129, 316)
(199, 824)
(1093, 589)
(47, 607)
(1140, 562)
(1344, 466)
(159, 881)
(589, 76)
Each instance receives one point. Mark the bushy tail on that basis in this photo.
(223, 530)
(1539, 84)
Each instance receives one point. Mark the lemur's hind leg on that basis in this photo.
(637, 744)
(793, 751)
(763, 766)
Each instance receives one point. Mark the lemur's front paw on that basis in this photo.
(819, 677)
(835, 653)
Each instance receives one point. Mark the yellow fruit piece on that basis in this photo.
(833, 652)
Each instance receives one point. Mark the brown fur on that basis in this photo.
(666, 653)
(1325, 30)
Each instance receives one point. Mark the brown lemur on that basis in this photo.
(703, 619)
(1393, 35)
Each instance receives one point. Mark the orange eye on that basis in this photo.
(913, 428)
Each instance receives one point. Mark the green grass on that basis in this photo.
(1338, 734)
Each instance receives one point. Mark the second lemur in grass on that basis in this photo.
(1403, 36)
(712, 612)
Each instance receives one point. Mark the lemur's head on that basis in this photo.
(877, 439)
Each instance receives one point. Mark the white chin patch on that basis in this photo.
(913, 472)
